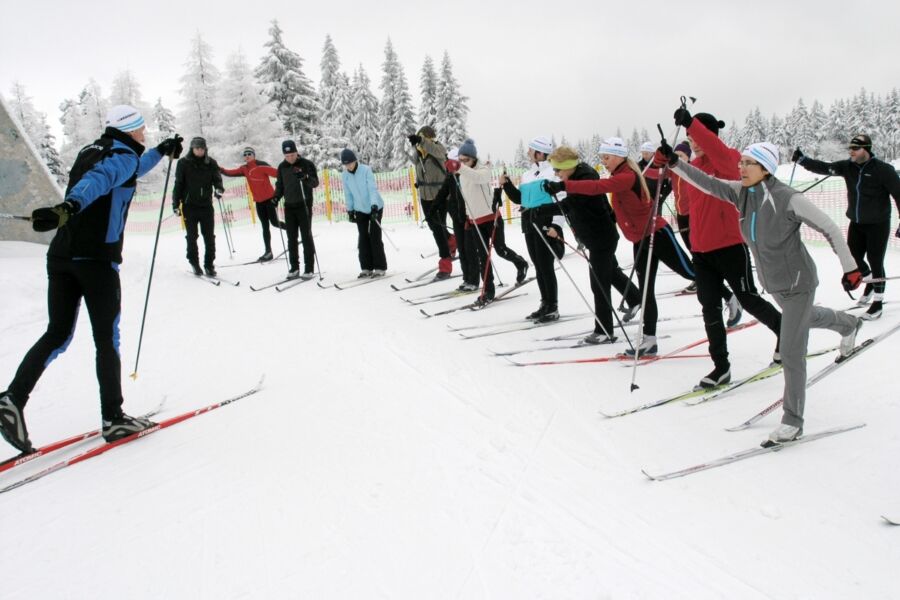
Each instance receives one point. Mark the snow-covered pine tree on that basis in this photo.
(733, 136)
(755, 128)
(521, 156)
(332, 102)
(126, 90)
(83, 120)
(163, 119)
(246, 118)
(818, 121)
(35, 125)
(452, 106)
(364, 126)
(281, 74)
(797, 128)
(634, 144)
(583, 148)
(892, 125)
(199, 89)
(428, 87)
(593, 158)
(777, 136)
(396, 113)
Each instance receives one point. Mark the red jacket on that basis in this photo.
(257, 174)
(632, 211)
(714, 224)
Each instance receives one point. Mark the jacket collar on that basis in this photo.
(124, 138)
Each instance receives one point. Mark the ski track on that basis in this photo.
(384, 458)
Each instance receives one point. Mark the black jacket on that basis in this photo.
(868, 186)
(591, 216)
(295, 182)
(652, 183)
(195, 179)
(451, 197)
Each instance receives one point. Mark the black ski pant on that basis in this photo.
(603, 266)
(298, 227)
(666, 249)
(267, 215)
(504, 251)
(468, 259)
(870, 241)
(436, 218)
(204, 218)
(479, 237)
(370, 245)
(68, 282)
(625, 286)
(731, 264)
(544, 262)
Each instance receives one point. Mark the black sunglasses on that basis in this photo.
(249, 154)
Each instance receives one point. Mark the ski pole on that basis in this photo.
(793, 170)
(880, 279)
(384, 233)
(14, 217)
(224, 218)
(478, 231)
(279, 220)
(806, 189)
(590, 308)
(162, 206)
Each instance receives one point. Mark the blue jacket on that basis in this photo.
(360, 192)
(102, 183)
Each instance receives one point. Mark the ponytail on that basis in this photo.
(640, 176)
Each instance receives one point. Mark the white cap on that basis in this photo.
(541, 144)
(124, 118)
(765, 153)
(615, 146)
(648, 147)
(453, 154)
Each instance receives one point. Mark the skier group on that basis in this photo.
(729, 205)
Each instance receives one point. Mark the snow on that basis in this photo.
(388, 458)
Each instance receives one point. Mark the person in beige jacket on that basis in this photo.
(475, 187)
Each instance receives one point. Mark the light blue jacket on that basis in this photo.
(360, 192)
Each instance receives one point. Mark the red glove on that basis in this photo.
(851, 280)
(451, 165)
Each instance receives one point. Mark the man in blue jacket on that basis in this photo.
(365, 208)
(870, 184)
(83, 262)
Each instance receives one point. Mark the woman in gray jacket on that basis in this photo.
(771, 215)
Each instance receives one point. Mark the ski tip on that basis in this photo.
(394, 287)
(649, 476)
(427, 316)
(740, 427)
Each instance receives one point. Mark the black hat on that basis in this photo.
(710, 122)
(198, 142)
(347, 156)
(861, 140)
(288, 146)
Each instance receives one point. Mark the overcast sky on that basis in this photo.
(563, 68)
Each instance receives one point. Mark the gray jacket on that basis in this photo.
(771, 215)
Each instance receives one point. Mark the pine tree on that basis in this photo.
(247, 118)
(521, 156)
(281, 74)
(83, 120)
(452, 106)
(333, 91)
(396, 113)
(428, 86)
(634, 145)
(892, 125)
(198, 90)
(818, 122)
(755, 128)
(127, 90)
(34, 124)
(797, 127)
(163, 119)
(364, 126)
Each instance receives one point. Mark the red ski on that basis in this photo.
(98, 450)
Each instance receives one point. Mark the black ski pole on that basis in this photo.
(312, 240)
(162, 206)
(806, 189)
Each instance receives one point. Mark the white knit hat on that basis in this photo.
(648, 147)
(765, 153)
(541, 144)
(124, 118)
(615, 146)
(453, 154)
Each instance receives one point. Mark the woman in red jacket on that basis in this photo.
(257, 173)
(633, 208)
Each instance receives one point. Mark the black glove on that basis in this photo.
(665, 155)
(218, 194)
(414, 139)
(275, 200)
(554, 187)
(797, 155)
(376, 212)
(683, 118)
(852, 280)
(176, 210)
(171, 146)
(50, 218)
(351, 216)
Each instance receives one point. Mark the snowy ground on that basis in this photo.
(388, 458)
